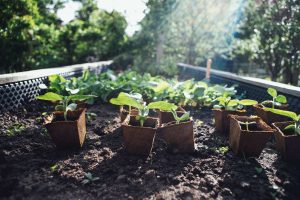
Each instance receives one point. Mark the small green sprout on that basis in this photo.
(89, 178)
(222, 150)
(247, 124)
(54, 168)
(91, 116)
(258, 170)
(227, 103)
(15, 129)
(184, 117)
(296, 118)
(64, 101)
(277, 99)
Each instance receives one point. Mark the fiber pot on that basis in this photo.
(222, 119)
(67, 134)
(252, 142)
(124, 112)
(268, 116)
(179, 137)
(139, 140)
(287, 143)
(167, 116)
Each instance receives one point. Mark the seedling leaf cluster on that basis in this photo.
(153, 88)
(64, 102)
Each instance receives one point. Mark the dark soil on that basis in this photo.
(32, 168)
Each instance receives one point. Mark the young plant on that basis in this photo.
(15, 129)
(89, 178)
(184, 117)
(290, 114)
(227, 103)
(143, 109)
(64, 101)
(277, 100)
(247, 124)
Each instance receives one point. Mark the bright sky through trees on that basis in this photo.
(133, 10)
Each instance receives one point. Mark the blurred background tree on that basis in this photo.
(189, 31)
(32, 36)
(270, 38)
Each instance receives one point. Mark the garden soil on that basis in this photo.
(32, 168)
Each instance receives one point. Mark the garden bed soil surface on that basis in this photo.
(32, 168)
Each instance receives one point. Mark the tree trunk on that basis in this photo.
(295, 76)
(159, 48)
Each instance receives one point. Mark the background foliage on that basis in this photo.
(32, 36)
(257, 38)
(270, 38)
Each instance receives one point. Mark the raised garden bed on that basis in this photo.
(183, 159)
(31, 167)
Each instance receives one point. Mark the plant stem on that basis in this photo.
(65, 103)
(65, 115)
(142, 122)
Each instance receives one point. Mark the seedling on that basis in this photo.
(91, 116)
(258, 170)
(221, 150)
(227, 103)
(64, 101)
(184, 117)
(289, 114)
(277, 100)
(143, 109)
(247, 124)
(89, 178)
(54, 168)
(15, 129)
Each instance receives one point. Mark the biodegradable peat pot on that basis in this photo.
(139, 140)
(167, 116)
(287, 143)
(67, 134)
(252, 142)
(222, 120)
(179, 137)
(124, 113)
(268, 116)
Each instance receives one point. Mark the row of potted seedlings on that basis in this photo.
(67, 124)
(248, 135)
(173, 125)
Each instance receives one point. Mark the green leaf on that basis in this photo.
(233, 102)
(56, 78)
(125, 99)
(54, 168)
(286, 113)
(281, 99)
(59, 108)
(248, 102)
(291, 126)
(80, 97)
(71, 107)
(50, 96)
(86, 75)
(272, 92)
(162, 105)
(185, 116)
(136, 96)
(72, 91)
